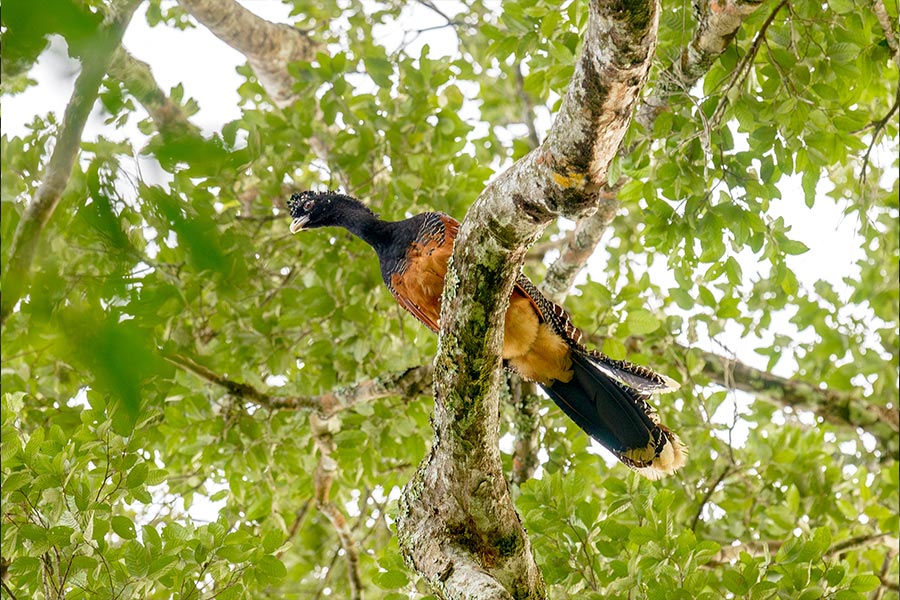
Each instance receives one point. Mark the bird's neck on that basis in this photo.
(369, 228)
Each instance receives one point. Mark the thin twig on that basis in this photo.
(407, 384)
(743, 67)
(709, 492)
(323, 430)
(879, 127)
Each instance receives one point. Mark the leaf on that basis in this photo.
(794, 247)
(271, 566)
(137, 475)
(641, 322)
(123, 526)
(391, 580)
(864, 583)
(734, 582)
(614, 348)
(380, 70)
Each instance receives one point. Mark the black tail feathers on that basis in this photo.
(608, 400)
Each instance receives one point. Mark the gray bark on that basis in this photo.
(458, 527)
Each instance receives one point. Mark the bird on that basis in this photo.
(607, 398)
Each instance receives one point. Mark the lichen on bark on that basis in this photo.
(458, 527)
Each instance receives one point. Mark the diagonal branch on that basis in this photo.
(743, 67)
(719, 23)
(580, 246)
(718, 26)
(59, 168)
(458, 527)
(269, 47)
(135, 75)
(843, 408)
(834, 406)
(887, 25)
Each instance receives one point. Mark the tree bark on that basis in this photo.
(170, 120)
(458, 527)
(269, 47)
(37, 214)
(719, 22)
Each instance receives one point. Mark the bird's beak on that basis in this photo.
(298, 223)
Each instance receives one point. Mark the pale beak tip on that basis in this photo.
(297, 225)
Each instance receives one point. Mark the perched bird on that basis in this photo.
(607, 398)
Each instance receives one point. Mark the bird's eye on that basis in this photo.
(307, 206)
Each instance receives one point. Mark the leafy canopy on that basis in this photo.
(111, 440)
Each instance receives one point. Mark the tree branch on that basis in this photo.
(887, 25)
(269, 47)
(743, 67)
(731, 553)
(526, 403)
(527, 107)
(719, 23)
(834, 406)
(580, 246)
(457, 525)
(326, 469)
(135, 75)
(406, 384)
(59, 168)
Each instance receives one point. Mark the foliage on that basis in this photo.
(111, 447)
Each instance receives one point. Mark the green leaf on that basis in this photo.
(271, 566)
(641, 322)
(391, 580)
(614, 348)
(864, 583)
(794, 247)
(123, 526)
(137, 475)
(380, 70)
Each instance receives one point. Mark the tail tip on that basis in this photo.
(666, 461)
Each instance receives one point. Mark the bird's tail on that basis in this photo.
(609, 400)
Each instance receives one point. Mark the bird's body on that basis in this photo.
(606, 398)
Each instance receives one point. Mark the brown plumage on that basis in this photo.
(605, 397)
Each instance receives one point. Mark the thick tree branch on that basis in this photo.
(719, 23)
(135, 75)
(269, 47)
(458, 527)
(887, 25)
(59, 168)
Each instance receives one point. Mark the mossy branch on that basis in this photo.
(458, 527)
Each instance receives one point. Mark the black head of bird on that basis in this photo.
(324, 209)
